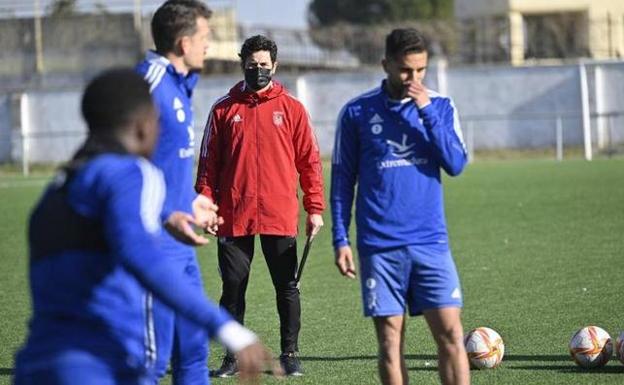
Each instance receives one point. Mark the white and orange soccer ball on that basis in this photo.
(485, 348)
(591, 347)
(619, 347)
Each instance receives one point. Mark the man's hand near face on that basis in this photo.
(417, 91)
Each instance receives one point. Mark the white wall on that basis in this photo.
(505, 107)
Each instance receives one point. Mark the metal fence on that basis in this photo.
(552, 108)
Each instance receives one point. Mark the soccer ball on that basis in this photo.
(485, 348)
(619, 347)
(591, 347)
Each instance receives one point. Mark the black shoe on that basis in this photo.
(229, 367)
(291, 365)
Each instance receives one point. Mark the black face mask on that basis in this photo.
(257, 78)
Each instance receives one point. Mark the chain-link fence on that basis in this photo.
(557, 109)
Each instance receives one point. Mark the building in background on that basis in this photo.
(58, 43)
(519, 30)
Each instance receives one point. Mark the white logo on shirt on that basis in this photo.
(456, 294)
(191, 134)
(371, 300)
(376, 119)
(377, 129)
(237, 118)
(278, 118)
(401, 150)
(186, 152)
(179, 109)
(405, 152)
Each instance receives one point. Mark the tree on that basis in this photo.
(63, 7)
(332, 12)
(360, 26)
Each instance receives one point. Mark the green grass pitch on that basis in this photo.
(539, 246)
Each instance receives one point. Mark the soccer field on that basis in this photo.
(539, 247)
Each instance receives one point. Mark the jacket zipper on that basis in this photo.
(257, 164)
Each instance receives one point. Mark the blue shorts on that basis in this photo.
(422, 277)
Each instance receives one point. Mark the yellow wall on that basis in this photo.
(606, 39)
(224, 42)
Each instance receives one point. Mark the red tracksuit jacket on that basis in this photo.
(255, 146)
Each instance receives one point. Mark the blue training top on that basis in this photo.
(88, 295)
(175, 149)
(393, 151)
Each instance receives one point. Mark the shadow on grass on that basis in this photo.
(6, 371)
(536, 357)
(336, 358)
(565, 362)
(571, 368)
(433, 357)
(422, 369)
(427, 357)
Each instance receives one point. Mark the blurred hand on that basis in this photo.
(253, 360)
(417, 91)
(205, 213)
(180, 226)
(314, 224)
(344, 261)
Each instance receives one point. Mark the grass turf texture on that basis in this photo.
(538, 245)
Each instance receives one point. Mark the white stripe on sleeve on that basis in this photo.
(152, 196)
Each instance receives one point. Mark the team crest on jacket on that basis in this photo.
(179, 109)
(278, 118)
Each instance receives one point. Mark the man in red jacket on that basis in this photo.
(258, 140)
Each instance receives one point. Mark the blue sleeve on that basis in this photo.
(132, 228)
(442, 123)
(345, 160)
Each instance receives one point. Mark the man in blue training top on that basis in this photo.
(95, 243)
(392, 141)
(181, 35)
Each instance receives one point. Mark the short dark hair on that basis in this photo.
(175, 19)
(403, 41)
(112, 98)
(258, 43)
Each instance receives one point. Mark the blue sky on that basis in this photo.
(278, 13)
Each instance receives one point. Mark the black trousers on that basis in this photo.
(280, 252)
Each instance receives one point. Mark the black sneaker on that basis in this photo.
(229, 367)
(291, 365)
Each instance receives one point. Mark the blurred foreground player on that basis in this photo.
(393, 142)
(94, 240)
(181, 35)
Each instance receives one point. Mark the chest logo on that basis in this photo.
(401, 150)
(237, 118)
(278, 118)
(179, 110)
(377, 129)
(376, 119)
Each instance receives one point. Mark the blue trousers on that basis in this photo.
(76, 367)
(179, 340)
